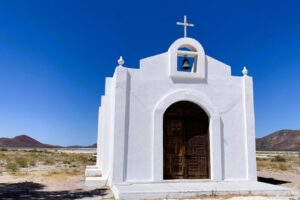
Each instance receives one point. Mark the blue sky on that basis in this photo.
(55, 55)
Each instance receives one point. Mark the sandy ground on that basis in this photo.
(286, 179)
(51, 187)
(81, 150)
(72, 187)
(46, 182)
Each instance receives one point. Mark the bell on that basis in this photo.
(185, 64)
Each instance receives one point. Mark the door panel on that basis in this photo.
(186, 142)
(174, 149)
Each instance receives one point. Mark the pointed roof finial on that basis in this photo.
(185, 25)
(121, 61)
(245, 71)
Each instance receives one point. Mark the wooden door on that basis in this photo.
(196, 151)
(186, 144)
(174, 150)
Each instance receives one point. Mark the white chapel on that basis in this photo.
(181, 117)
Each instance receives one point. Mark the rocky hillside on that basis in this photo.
(26, 141)
(22, 141)
(283, 140)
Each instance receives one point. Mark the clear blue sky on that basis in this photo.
(55, 55)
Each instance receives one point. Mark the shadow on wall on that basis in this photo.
(30, 190)
(271, 181)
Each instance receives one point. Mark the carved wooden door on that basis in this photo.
(174, 150)
(186, 144)
(196, 151)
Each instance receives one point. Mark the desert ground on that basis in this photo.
(59, 174)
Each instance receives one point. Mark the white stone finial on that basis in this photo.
(245, 71)
(121, 61)
(185, 25)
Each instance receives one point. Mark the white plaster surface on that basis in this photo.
(131, 117)
(95, 181)
(90, 172)
(194, 189)
(91, 167)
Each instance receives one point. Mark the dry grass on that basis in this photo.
(18, 161)
(279, 163)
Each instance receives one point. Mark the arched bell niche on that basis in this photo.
(186, 60)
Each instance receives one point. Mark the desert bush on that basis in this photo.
(4, 149)
(283, 167)
(67, 162)
(52, 173)
(72, 171)
(14, 161)
(32, 162)
(80, 158)
(46, 151)
(63, 154)
(92, 159)
(32, 159)
(261, 159)
(274, 166)
(262, 165)
(278, 159)
(12, 167)
(49, 160)
(22, 162)
(34, 150)
(3, 155)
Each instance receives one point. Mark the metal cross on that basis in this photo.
(185, 25)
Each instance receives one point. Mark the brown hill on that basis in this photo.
(22, 141)
(283, 140)
(26, 141)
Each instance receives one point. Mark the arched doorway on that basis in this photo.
(186, 142)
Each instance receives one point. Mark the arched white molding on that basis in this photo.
(214, 131)
(197, 52)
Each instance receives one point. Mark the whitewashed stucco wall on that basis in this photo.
(132, 149)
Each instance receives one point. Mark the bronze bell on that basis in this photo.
(185, 64)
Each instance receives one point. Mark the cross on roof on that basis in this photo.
(185, 25)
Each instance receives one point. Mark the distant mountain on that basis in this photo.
(78, 146)
(93, 146)
(22, 141)
(283, 140)
(26, 141)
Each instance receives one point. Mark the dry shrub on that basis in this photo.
(262, 165)
(72, 172)
(274, 166)
(92, 159)
(73, 162)
(283, 167)
(2, 155)
(32, 162)
(49, 160)
(50, 173)
(12, 167)
(67, 162)
(278, 159)
(22, 161)
(261, 159)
